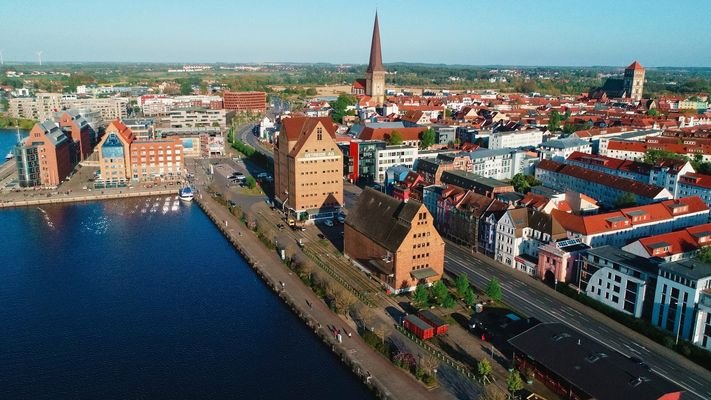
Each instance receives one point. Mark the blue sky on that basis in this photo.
(476, 32)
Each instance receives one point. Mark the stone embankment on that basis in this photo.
(71, 198)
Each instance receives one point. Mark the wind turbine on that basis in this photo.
(39, 57)
(2, 60)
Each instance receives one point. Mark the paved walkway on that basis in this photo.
(394, 382)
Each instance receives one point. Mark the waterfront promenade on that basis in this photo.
(385, 379)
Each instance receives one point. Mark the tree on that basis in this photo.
(520, 183)
(395, 138)
(484, 370)
(705, 254)
(652, 112)
(554, 120)
(652, 156)
(469, 297)
(251, 182)
(439, 291)
(341, 299)
(340, 105)
(514, 383)
(311, 92)
(462, 284)
(427, 138)
(186, 88)
(493, 290)
(421, 297)
(626, 199)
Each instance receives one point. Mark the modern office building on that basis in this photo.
(252, 102)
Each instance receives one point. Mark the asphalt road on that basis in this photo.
(525, 295)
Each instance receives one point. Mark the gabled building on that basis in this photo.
(114, 155)
(460, 214)
(672, 246)
(519, 234)
(477, 183)
(666, 173)
(44, 158)
(81, 133)
(308, 169)
(395, 240)
(608, 189)
(618, 228)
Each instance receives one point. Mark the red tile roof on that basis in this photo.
(635, 66)
(678, 242)
(697, 179)
(295, 127)
(600, 223)
(122, 129)
(617, 182)
(408, 134)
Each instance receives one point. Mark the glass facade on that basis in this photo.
(27, 164)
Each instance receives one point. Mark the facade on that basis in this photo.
(157, 160)
(618, 228)
(460, 215)
(693, 184)
(308, 169)
(519, 234)
(608, 189)
(391, 156)
(251, 102)
(375, 73)
(681, 286)
(359, 160)
(635, 150)
(109, 109)
(198, 117)
(501, 163)
(561, 149)
(514, 139)
(559, 261)
(673, 246)
(666, 173)
(633, 81)
(618, 279)
(79, 131)
(44, 158)
(114, 150)
(395, 240)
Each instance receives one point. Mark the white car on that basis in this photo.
(341, 219)
(328, 222)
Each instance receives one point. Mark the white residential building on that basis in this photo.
(527, 138)
(392, 156)
(197, 117)
(560, 149)
(681, 303)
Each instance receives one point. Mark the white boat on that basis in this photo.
(9, 156)
(186, 194)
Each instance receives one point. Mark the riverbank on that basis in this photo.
(386, 381)
(7, 200)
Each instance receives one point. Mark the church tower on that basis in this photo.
(375, 74)
(633, 81)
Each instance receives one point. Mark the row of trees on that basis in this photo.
(427, 138)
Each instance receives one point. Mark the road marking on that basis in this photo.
(685, 386)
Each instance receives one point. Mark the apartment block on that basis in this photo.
(252, 102)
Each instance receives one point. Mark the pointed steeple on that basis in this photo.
(376, 58)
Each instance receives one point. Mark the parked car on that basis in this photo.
(341, 219)
(328, 222)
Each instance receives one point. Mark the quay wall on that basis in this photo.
(298, 308)
(61, 199)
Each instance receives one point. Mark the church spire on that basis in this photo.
(376, 58)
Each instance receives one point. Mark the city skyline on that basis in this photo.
(470, 33)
